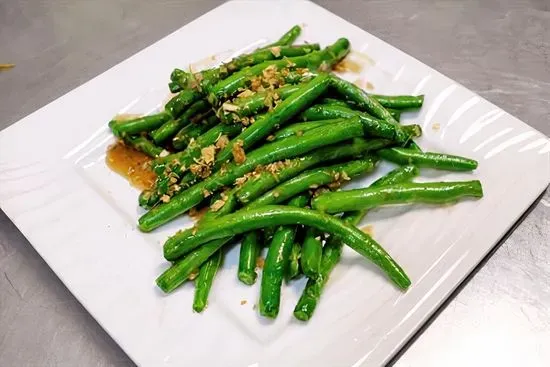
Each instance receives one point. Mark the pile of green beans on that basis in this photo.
(265, 144)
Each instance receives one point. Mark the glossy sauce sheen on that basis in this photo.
(348, 65)
(130, 164)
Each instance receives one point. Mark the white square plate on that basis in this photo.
(81, 217)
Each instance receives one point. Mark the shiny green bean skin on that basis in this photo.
(361, 99)
(406, 193)
(399, 102)
(230, 205)
(428, 159)
(299, 128)
(294, 261)
(177, 104)
(174, 87)
(138, 125)
(373, 126)
(208, 138)
(396, 103)
(398, 175)
(249, 252)
(203, 283)
(182, 268)
(333, 248)
(332, 251)
(288, 38)
(179, 77)
(255, 187)
(248, 106)
(267, 54)
(179, 162)
(325, 58)
(396, 114)
(204, 80)
(251, 246)
(192, 131)
(314, 178)
(312, 252)
(275, 266)
(267, 153)
(293, 105)
(277, 262)
(144, 145)
(274, 215)
(194, 113)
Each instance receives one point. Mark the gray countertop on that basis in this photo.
(498, 48)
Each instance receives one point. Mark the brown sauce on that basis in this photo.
(131, 164)
(368, 229)
(364, 57)
(363, 84)
(348, 65)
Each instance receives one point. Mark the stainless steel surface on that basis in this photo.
(498, 48)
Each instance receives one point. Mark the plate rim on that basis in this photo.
(12, 130)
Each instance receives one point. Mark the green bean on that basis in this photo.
(323, 59)
(275, 215)
(250, 250)
(373, 126)
(394, 104)
(391, 103)
(229, 201)
(288, 38)
(275, 266)
(194, 113)
(193, 131)
(268, 54)
(181, 269)
(255, 187)
(399, 175)
(144, 145)
(413, 146)
(396, 114)
(259, 101)
(179, 77)
(361, 99)
(138, 125)
(178, 163)
(332, 252)
(312, 251)
(299, 128)
(208, 138)
(333, 248)
(203, 283)
(251, 246)
(313, 179)
(426, 192)
(399, 102)
(277, 263)
(177, 104)
(427, 159)
(268, 153)
(174, 87)
(336, 102)
(205, 79)
(278, 116)
(294, 261)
